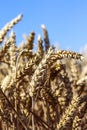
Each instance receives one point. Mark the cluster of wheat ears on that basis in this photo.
(44, 89)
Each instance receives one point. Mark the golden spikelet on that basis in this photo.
(39, 75)
(8, 26)
(46, 38)
(29, 40)
(40, 50)
(69, 112)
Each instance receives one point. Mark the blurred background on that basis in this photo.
(65, 20)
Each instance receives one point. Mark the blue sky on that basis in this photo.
(65, 20)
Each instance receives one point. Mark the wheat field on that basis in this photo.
(44, 89)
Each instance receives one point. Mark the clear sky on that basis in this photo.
(65, 20)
